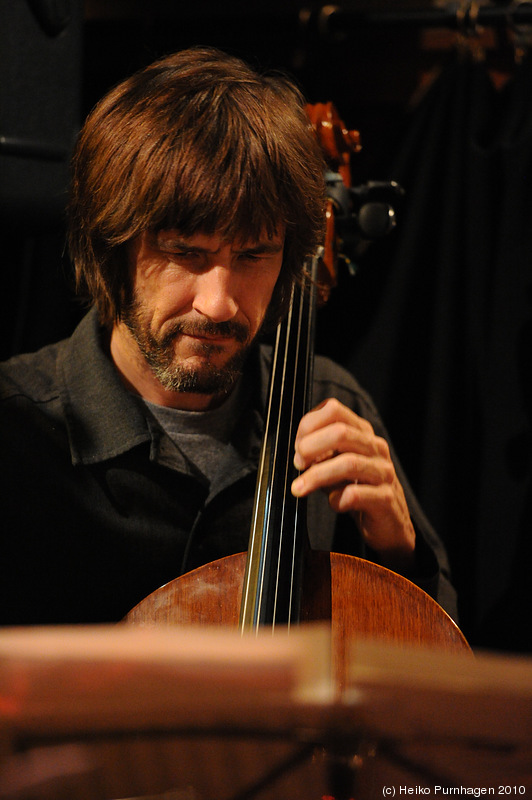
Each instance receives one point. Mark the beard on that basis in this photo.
(177, 376)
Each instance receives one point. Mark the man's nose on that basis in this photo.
(215, 295)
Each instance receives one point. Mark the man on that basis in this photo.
(130, 450)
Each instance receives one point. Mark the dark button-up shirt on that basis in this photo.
(95, 516)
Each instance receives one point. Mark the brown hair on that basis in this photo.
(199, 142)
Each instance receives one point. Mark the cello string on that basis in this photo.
(256, 548)
(266, 537)
(285, 461)
(288, 468)
(308, 304)
(299, 404)
(272, 567)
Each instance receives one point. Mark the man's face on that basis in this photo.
(197, 304)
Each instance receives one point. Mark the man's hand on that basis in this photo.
(338, 451)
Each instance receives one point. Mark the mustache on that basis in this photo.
(229, 329)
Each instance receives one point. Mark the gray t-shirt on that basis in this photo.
(202, 437)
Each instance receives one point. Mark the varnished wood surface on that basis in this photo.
(357, 597)
(208, 595)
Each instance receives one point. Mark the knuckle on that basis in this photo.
(332, 404)
(388, 496)
(332, 408)
(353, 464)
(340, 432)
(383, 447)
(366, 426)
(388, 472)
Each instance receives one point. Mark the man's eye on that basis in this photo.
(179, 252)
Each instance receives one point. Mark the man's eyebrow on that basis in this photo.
(261, 248)
(177, 241)
(254, 248)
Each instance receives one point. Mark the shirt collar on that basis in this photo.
(103, 419)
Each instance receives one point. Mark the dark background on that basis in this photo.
(436, 322)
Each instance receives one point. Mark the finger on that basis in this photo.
(338, 437)
(326, 413)
(345, 468)
(375, 500)
(382, 517)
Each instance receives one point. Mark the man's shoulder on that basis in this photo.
(330, 380)
(330, 372)
(37, 375)
(32, 375)
(333, 380)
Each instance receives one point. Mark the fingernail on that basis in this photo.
(298, 461)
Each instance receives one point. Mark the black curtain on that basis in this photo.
(438, 326)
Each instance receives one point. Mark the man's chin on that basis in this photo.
(199, 380)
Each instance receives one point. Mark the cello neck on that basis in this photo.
(278, 537)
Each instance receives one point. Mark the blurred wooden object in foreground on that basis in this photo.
(195, 714)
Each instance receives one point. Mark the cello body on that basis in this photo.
(356, 597)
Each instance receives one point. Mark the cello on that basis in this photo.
(280, 581)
